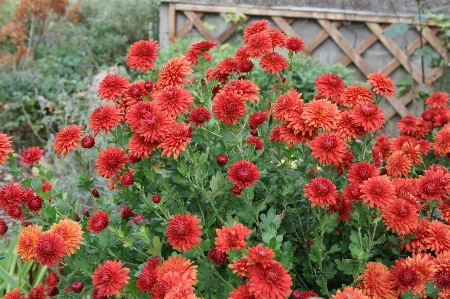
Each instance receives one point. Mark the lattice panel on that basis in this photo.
(330, 23)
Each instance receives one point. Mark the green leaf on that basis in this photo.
(431, 290)
(128, 242)
(157, 246)
(410, 295)
(7, 278)
(396, 29)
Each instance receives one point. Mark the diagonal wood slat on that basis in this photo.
(192, 16)
(319, 39)
(188, 25)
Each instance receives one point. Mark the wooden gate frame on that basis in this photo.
(330, 22)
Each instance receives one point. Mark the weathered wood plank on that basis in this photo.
(434, 41)
(284, 26)
(187, 26)
(394, 63)
(318, 39)
(192, 16)
(227, 33)
(172, 22)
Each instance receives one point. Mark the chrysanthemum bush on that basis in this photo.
(227, 183)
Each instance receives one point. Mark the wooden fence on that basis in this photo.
(330, 23)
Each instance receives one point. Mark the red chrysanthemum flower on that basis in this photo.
(259, 44)
(180, 265)
(420, 232)
(126, 213)
(14, 294)
(110, 161)
(228, 107)
(352, 191)
(295, 44)
(199, 116)
(155, 125)
(441, 275)
(71, 232)
(51, 279)
(441, 143)
(377, 191)
(49, 248)
(137, 113)
(10, 194)
(414, 127)
(437, 100)
(361, 171)
(104, 118)
(176, 140)
(5, 147)
(241, 292)
(35, 204)
(38, 292)
(26, 240)
(174, 100)
(404, 276)
(244, 65)
(369, 116)
(329, 86)
(296, 294)
(257, 118)
(274, 63)
(321, 191)
(377, 282)
(243, 173)
(328, 148)
(240, 266)
(217, 257)
(343, 206)
(321, 113)
(110, 277)
(257, 143)
(382, 84)
(98, 221)
(174, 73)
(400, 216)
(269, 280)
(97, 294)
(67, 139)
(246, 89)
(412, 151)
(438, 237)
(148, 276)
(232, 237)
(398, 164)
(286, 103)
(277, 38)
(288, 135)
(383, 145)
(347, 129)
(255, 27)
(355, 95)
(349, 292)
(112, 87)
(432, 185)
(31, 155)
(200, 49)
(260, 254)
(139, 147)
(142, 55)
(184, 231)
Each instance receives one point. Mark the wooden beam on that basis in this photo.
(394, 63)
(435, 42)
(227, 33)
(360, 48)
(346, 47)
(187, 27)
(319, 39)
(299, 13)
(404, 100)
(192, 16)
(172, 22)
(284, 26)
(396, 51)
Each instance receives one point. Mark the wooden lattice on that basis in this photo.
(330, 23)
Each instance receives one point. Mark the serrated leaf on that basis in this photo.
(157, 246)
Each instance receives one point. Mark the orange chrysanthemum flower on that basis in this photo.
(398, 164)
(199, 116)
(400, 216)
(286, 103)
(347, 129)
(321, 191)
(169, 282)
(5, 147)
(232, 237)
(104, 118)
(110, 161)
(437, 100)
(14, 294)
(67, 139)
(49, 248)
(328, 148)
(417, 244)
(174, 100)
(444, 210)
(424, 265)
(376, 282)
(349, 292)
(180, 265)
(329, 86)
(26, 240)
(355, 95)
(441, 143)
(180, 291)
(229, 107)
(241, 292)
(382, 84)
(321, 113)
(246, 89)
(295, 44)
(71, 232)
(269, 280)
(361, 171)
(274, 63)
(110, 277)
(240, 266)
(200, 49)
(295, 121)
(412, 151)
(441, 275)
(377, 191)
(174, 73)
(31, 155)
(184, 231)
(243, 173)
(255, 27)
(259, 44)
(142, 55)
(260, 254)
(139, 147)
(112, 87)
(438, 237)
(98, 221)
(369, 116)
